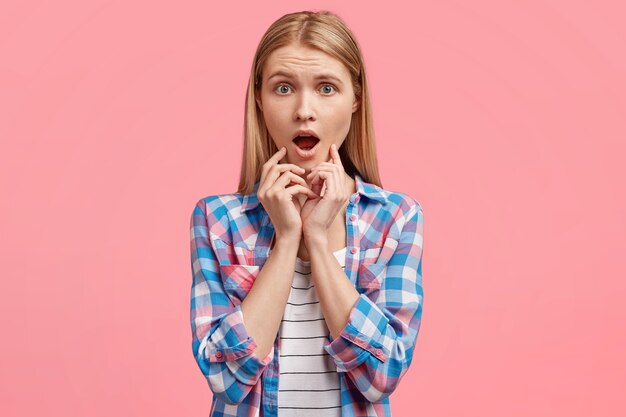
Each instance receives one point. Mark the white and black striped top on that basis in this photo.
(308, 380)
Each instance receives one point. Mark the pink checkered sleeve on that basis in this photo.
(376, 346)
(222, 347)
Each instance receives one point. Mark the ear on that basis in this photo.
(355, 104)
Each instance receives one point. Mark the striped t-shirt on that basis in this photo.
(308, 379)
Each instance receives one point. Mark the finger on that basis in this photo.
(329, 178)
(299, 189)
(335, 155)
(315, 179)
(278, 169)
(328, 168)
(325, 176)
(327, 164)
(272, 161)
(333, 183)
(320, 168)
(286, 178)
(278, 154)
(317, 184)
(275, 171)
(322, 180)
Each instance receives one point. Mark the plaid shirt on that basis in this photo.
(230, 241)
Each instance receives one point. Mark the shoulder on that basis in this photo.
(388, 212)
(403, 202)
(230, 217)
(396, 203)
(219, 205)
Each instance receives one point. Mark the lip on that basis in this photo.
(307, 154)
(305, 132)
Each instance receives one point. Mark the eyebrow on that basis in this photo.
(324, 76)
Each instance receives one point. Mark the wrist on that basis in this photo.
(287, 240)
(315, 240)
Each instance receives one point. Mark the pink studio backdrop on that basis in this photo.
(506, 122)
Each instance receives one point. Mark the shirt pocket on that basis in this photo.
(371, 276)
(374, 264)
(238, 280)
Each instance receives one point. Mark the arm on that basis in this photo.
(262, 317)
(376, 345)
(222, 347)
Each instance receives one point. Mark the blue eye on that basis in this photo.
(325, 88)
(281, 88)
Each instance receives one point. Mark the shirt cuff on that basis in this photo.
(361, 338)
(232, 344)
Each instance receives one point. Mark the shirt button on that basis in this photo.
(358, 197)
(379, 352)
(353, 217)
(218, 354)
(353, 250)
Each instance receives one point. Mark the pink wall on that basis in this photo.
(507, 123)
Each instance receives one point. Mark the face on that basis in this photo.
(306, 89)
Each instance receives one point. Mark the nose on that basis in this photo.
(304, 107)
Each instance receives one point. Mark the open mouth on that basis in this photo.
(305, 142)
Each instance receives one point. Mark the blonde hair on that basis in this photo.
(325, 31)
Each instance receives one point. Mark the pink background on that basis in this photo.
(506, 122)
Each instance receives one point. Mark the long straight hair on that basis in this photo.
(325, 31)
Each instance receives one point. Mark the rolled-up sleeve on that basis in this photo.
(222, 347)
(376, 346)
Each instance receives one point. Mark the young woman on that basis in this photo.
(307, 282)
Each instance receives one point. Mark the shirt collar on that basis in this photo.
(371, 191)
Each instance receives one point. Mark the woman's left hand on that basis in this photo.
(318, 214)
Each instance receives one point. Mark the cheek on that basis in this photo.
(271, 117)
(340, 116)
(276, 112)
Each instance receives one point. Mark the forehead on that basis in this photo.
(303, 61)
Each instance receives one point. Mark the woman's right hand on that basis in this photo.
(276, 194)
